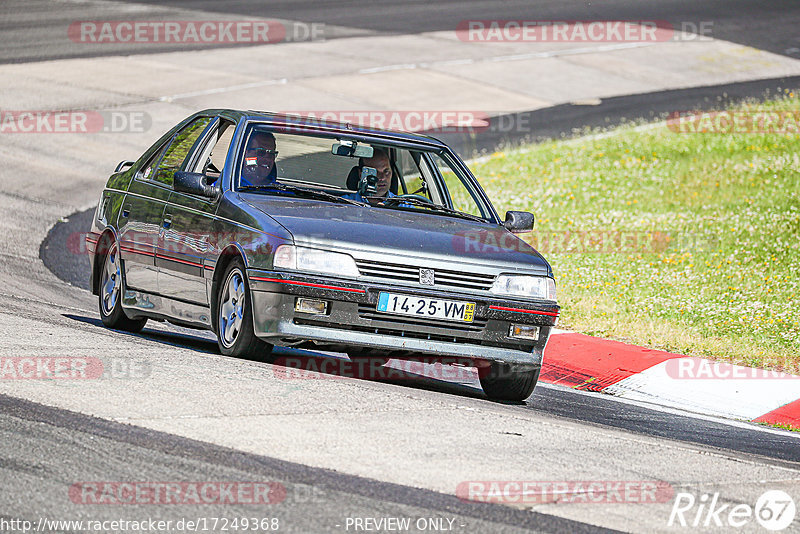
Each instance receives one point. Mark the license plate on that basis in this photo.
(449, 310)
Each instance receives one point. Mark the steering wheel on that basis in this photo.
(417, 197)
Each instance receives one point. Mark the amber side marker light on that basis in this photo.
(524, 331)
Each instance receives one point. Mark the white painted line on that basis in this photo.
(568, 52)
(738, 398)
(447, 62)
(500, 59)
(411, 66)
(402, 66)
(217, 90)
(518, 57)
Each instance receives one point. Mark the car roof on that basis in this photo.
(312, 124)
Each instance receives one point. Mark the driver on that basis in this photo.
(259, 160)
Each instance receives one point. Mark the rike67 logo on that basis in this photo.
(774, 510)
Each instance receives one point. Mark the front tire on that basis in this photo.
(234, 322)
(501, 381)
(110, 292)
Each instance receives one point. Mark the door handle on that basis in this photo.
(126, 211)
(167, 222)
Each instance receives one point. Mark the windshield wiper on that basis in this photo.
(390, 201)
(300, 192)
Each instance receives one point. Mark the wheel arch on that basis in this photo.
(103, 243)
(228, 255)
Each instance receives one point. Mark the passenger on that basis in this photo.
(259, 160)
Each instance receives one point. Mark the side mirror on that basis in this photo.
(518, 222)
(194, 183)
(122, 164)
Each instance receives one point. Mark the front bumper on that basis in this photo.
(352, 322)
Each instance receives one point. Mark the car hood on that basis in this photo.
(373, 230)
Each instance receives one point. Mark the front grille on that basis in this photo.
(394, 272)
(365, 311)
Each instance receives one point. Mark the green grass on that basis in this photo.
(782, 426)
(710, 262)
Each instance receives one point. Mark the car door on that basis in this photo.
(189, 251)
(138, 226)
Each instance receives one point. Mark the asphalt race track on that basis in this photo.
(337, 449)
(764, 25)
(320, 500)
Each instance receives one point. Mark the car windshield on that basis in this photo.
(292, 164)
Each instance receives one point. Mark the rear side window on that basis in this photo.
(147, 170)
(178, 150)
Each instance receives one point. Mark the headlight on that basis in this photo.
(295, 258)
(538, 287)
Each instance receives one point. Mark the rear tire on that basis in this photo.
(501, 381)
(234, 321)
(111, 288)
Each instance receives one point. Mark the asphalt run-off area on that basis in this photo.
(158, 431)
